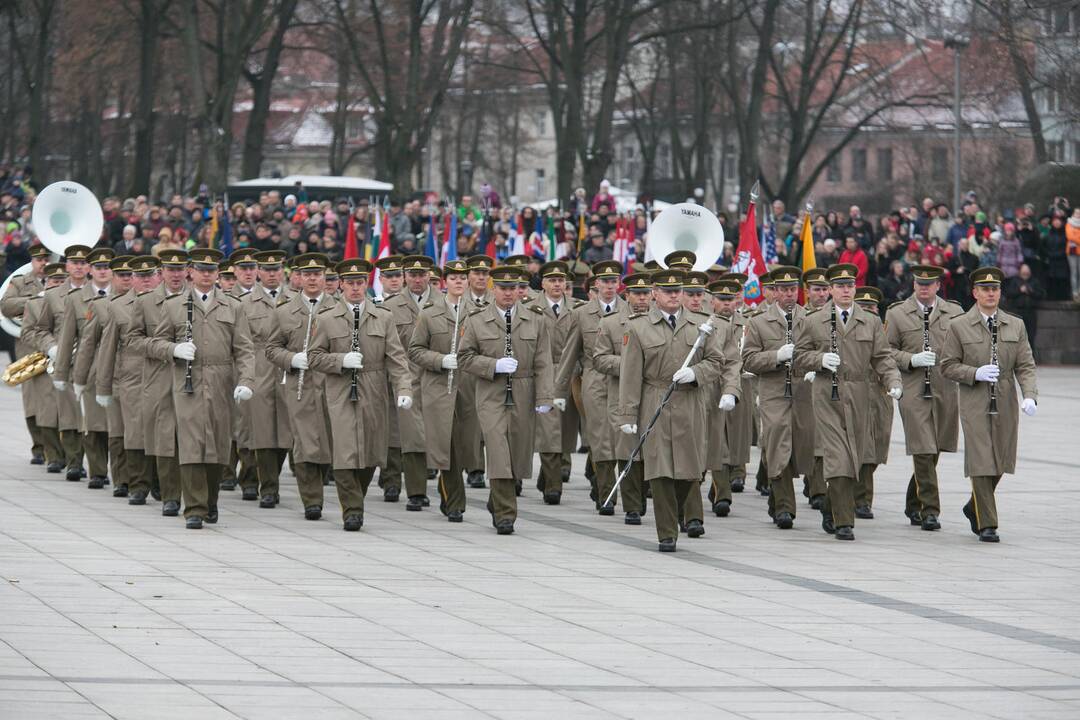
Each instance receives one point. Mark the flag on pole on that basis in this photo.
(449, 248)
(430, 247)
(647, 255)
(352, 250)
(535, 247)
(226, 244)
(551, 241)
(620, 246)
(748, 259)
(768, 237)
(383, 251)
(517, 236)
(580, 232)
(806, 240)
(371, 244)
(214, 227)
(487, 235)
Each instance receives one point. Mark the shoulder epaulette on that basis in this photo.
(579, 303)
(428, 304)
(475, 311)
(811, 312)
(958, 305)
(536, 309)
(283, 300)
(898, 302)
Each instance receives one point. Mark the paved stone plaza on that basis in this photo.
(108, 610)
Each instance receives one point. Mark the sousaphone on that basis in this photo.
(686, 226)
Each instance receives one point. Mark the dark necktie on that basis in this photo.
(313, 301)
(555, 309)
(273, 294)
(101, 293)
(204, 296)
(607, 309)
(671, 321)
(843, 316)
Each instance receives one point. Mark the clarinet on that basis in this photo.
(787, 365)
(354, 393)
(832, 348)
(508, 401)
(307, 343)
(188, 388)
(993, 361)
(926, 392)
(453, 347)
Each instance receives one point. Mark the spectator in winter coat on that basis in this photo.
(854, 254)
(604, 197)
(1022, 295)
(897, 286)
(1057, 263)
(1072, 250)
(1010, 254)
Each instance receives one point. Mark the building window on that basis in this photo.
(730, 160)
(884, 164)
(541, 123)
(663, 161)
(1055, 151)
(833, 173)
(858, 165)
(354, 125)
(541, 187)
(939, 163)
(629, 163)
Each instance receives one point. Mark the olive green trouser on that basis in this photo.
(414, 468)
(864, 485)
(37, 444)
(840, 501)
(54, 449)
(502, 500)
(452, 486)
(309, 482)
(818, 486)
(96, 446)
(139, 471)
(118, 462)
(984, 503)
(168, 471)
(352, 485)
(922, 489)
(605, 480)
(199, 483)
(721, 484)
(390, 474)
(247, 475)
(268, 462)
(551, 465)
(782, 491)
(72, 442)
(668, 496)
(761, 477)
(691, 507)
(633, 487)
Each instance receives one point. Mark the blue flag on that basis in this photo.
(226, 243)
(431, 250)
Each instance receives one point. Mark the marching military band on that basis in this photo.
(186, 374)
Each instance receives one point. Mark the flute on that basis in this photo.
(508, 400)
(832, 348)
(188, 387)
(453, 347)
(993, 361)
(354, 393)
(787, 364)
(307, 342)
(926, 392)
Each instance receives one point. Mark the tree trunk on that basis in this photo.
(144, 103)
(262, 85)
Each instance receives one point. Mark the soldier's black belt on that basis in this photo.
(663, 385)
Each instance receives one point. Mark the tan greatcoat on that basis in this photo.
(729, 431)
(989, 440)
(46, 334)
(766, 332)
(119, 371)
(308, 417)
(580, 349)
(442, 411)
(78, 312)
(930, 426)
(156, 407)
(13, 306)
(508, 432)
(606, 361)
(549, 428)
(84, 369)
(266, 412)
(223, 360)
(844, 425)
(360, 428)
(407, 426)
(651, 354)
(42, 395)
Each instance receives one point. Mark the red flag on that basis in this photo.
(351, 250)
(748, 258)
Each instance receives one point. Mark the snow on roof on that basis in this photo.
(316, 181)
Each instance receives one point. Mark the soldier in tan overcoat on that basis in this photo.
(43, 396)
(816, 289)
(842, 344)
(118, 380)
(600, 435)
(12, 305)
(875, 452)
(407, 456)
(931, 424)
(478, 295)
(89, 355)
(269, 431)
(509, 368)
(356, 347)
(78, 312)
(156, 409)
(305, 407)
(655, 348)
(245, 269)
(392, 279)
(988, 373)
(433, 350)
(216, 345)
(606, 362)
(769, 353)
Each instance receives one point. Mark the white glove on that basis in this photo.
(560, 403)
(404, 402)
(830, 361)
(1028, 406)
(103, 400)
(628, 429)
(241, 394)
(51, 352)
(59, 385)
(352, 361)
(543, 409)
(706, 328)
(727, 402)
(300, 361)
(987, 373)
(927, 358)
(506, 365)
(449, 362)
(896, 393)
(184, 351)
(785, 353)
(79, 390)
(810, 377)
(683, 376)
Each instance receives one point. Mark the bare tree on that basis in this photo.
(30, 26)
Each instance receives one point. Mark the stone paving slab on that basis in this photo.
(108, 610)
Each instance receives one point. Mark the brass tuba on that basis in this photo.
(26, 367)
